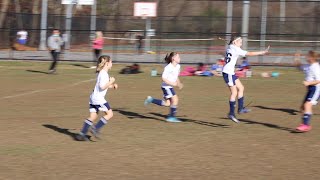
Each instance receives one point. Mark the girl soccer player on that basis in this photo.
(97, 100)
(235, 86)
(170, 79)
(312, 83)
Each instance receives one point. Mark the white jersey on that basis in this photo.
(232, 54)
(313, 72)
(22, 35)
(171, 73)
(97, 97)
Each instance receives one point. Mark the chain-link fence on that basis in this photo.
(194, 28)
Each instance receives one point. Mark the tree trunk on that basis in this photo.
(35, 22)
(4, 8)
(18, 14)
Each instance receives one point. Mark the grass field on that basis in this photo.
(41, 113)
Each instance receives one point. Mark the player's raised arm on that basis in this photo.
(257, 53)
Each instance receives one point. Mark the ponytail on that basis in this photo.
(102, 61)
(233, 38)
(169, 56)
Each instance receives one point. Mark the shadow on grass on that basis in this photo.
(35, 71)
(205, 123)
(134, 115)
(80, 65)
(269, 125)
(63, 131)
(286, 110)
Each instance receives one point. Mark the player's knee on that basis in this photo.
(308, 105)
(241, 88)
(110, 114)
(167, 103)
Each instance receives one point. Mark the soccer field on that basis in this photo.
(41, 113)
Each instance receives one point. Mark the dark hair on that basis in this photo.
(169, 57)
(313, 54)
(102, 61)
(234, 37)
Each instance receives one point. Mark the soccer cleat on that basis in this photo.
(244, 110)
(81, 137)
(94, 132)
(52, 71)
(303, 128)
(148, 100)
(173, 120)
(233, 118)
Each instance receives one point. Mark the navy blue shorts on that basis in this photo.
(22, 41)
(312, 95)
(101, 107)
(168, 92)
(230, 79)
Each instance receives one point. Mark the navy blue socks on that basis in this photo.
(86, 125)
(232, 107)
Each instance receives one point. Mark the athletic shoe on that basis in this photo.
(244, 110)
(233, 118)
(81, 137)
(173, 120)
(94, 132)
(148, 100)
(93, 67)
(303, 128)
(52, 71)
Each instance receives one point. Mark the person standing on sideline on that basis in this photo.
(97, 45)
(54, 44)
(22, 37)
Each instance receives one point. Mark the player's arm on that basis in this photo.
(179, 84)
(257, 53)
(108, 84)
(317, 77)
(311, 83)
(169, 82)
(113, 86)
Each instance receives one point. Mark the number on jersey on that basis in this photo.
(228, 57)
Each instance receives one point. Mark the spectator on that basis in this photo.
(22, 36)
(97, 47)
(54, 44)
(139, 43)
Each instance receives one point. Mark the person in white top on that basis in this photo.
(235, 86)
(312, 83)
(170, 79)
(22, 37)
(97, 100)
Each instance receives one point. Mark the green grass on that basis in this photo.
(40, 114)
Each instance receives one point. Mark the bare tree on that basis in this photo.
(4, 8)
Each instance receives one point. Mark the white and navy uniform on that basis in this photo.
(312, 73)
(232, 54)
(171, 73)
(97, 98)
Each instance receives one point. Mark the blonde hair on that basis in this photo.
(99, 35)
(102, 61)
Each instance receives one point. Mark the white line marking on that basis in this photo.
(46, 90)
